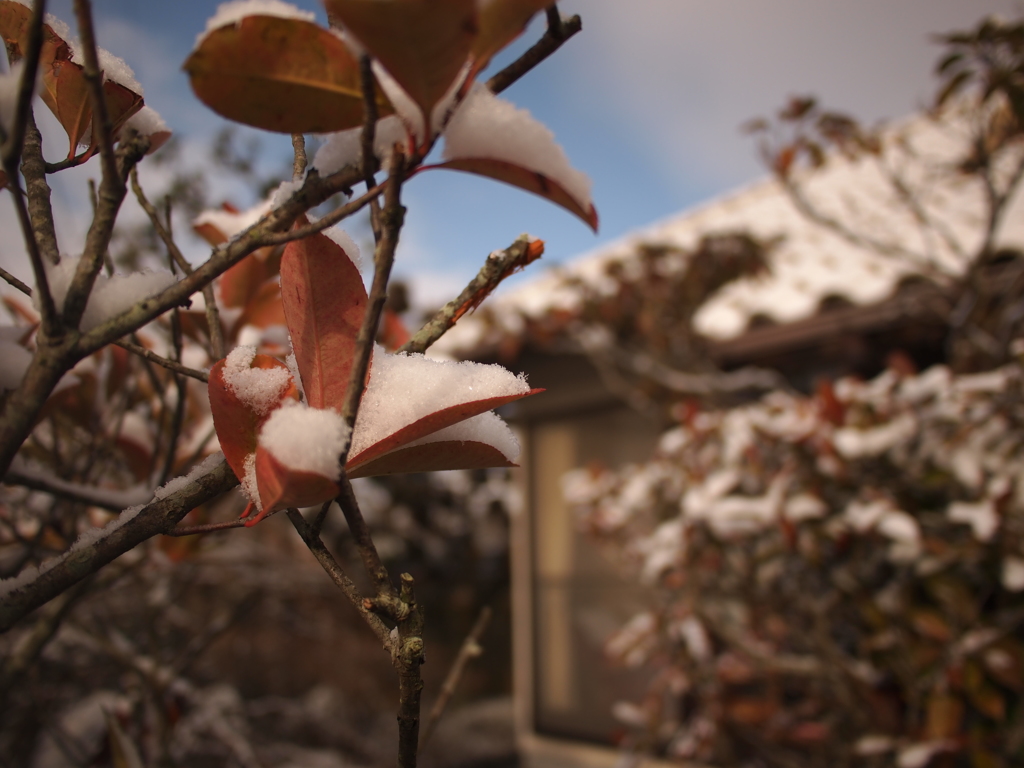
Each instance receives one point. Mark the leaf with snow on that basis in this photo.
(244, 388)
(147, 122)
(490, 137)
(410, 396)
(284, 74)
(297, 456)
(423, 44)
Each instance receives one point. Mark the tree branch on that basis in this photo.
(212, 315)
(27, 591)
(338, 576)
(170, 365)
(499, 265)
(552, 40)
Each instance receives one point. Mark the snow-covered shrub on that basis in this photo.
(842, 575)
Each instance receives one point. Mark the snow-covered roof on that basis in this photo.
(812, 261)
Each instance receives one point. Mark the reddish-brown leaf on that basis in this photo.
(434, 457)
(429, 424)
(324, 302)
(501, 22)
(531, 181)
(422, 43)
(66, 93)
(15, 19)
(262, 310)
(236, 423)
(281, 487)
(393, 333)
(285, 75)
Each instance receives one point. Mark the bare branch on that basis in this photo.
(23, 594)
(12, 143)
(170, 365)
(338, 576)
(33, 168)
(299, 150)
(369, 84)
(212, 315)
(15, 282)
(102, 128)
(110, 499)
(554, 37)
(498, 266)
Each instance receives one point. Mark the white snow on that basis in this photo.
(176, 484)
(232, 224)
(284, 192)
(306, 439)
(344, 241)
(485, 126)
(233, 12)
(249, 485)
(345, 148)
(146, 121)
(406, 109)
(405, 388)
(980, 515)
(1013, 573)
(486, 428)
(111, 295)
(14, 361)
(259, 388)
(853, 443)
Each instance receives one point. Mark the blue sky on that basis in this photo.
(647, 100)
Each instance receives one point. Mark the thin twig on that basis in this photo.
(112, 500)
(15, 282)
(299, 150)
(552, 40)
(498, 266)
(102, 128)
(392, 218)
(363, 540)
(192, 530)
(369, 84)
(321, 516)
(216, 336)
(178, 417)
(78, 562)
(70, 162)
(329, 220)
(338, 576)
(470, 650)
(170, 365)
(26, 89)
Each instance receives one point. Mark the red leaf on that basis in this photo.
(237, 423)
(434, 457)
(393, 333)
(531, 181)
(262, 310)
(501, 22)
(428, 424)
(285, 75)
(423, 44)
(324, 302)
(281, 487)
